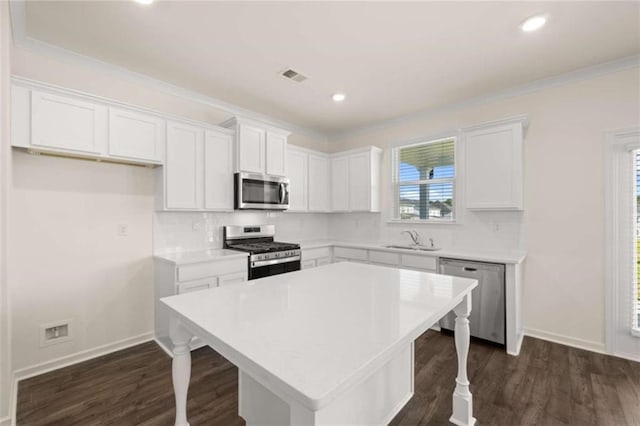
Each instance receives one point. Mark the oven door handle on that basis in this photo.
(260, 263)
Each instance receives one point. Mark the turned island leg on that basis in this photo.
(462, 398)
(181, 369)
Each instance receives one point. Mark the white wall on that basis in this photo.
(5, 353)
(66, 261)
(564, 281)
(181, 231)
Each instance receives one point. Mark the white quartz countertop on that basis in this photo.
(315, 333)
(497, 256)
(188, 257)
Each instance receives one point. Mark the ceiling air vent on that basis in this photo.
(293, 75)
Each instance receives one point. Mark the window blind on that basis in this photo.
(424, 180)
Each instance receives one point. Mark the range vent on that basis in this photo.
(293, 75)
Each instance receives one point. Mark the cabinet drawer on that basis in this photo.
(384, 257)
(211, 269)
(188, 287)
(235, 278)
(316, 253)
(351, 253)
(419, 262)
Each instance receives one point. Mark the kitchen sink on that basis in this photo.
(414, 248)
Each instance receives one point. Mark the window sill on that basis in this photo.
(635, 332)
(423, 222)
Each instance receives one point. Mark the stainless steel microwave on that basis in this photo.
(254, 191)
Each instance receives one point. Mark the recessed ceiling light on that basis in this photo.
(534, 23)
(145, 2)
(338, 97)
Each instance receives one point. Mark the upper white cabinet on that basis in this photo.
(66, 123)
(318, 179)
(56, 122)
(135, 135)
(218, 170)
(259, 148)
(355, 180)
(297, 163)
(493, 165)
(276, 153)
(198, 170)
(308, 172)
(183, 166)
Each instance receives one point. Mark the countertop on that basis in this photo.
(185, 258)
(496, 256)
(317, 332)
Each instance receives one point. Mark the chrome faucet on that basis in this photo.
(431, 242)
(415, 237)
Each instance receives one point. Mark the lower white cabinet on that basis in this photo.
(314, 257)
(198, 170)
(173, 279)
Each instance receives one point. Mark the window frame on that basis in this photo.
(394, 183)
(619, 205)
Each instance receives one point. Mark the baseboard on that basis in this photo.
(574, 342)
(5, 421)
(629, 356)
(65, 361)
(163, 347)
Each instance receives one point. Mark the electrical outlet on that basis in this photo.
(123, 229)
(57, 332)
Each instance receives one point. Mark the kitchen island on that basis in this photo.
(326, 345)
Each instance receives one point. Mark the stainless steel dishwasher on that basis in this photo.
(487, 319)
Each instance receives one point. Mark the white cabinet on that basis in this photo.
(260, 148)
(170, 279)
(341, 254)
(314, 257)
(67, 123)
(53, 121)
(183, 166)
(136, 136)
(198, 170)
(318, 183)
(493, 165)
(355, 180)
(340, 184)
(276, 153)
(308, 173)
(297, 163)
(218, 171)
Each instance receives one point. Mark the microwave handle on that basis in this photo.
(282, 193)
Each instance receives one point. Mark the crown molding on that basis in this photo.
(22, 40)
(534, 86)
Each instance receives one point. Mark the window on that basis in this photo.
(424, 181)
(622, 231)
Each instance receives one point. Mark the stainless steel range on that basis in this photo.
(268, 257)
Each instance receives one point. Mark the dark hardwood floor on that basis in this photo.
(548, 384)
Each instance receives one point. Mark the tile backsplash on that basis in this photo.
(192, 231)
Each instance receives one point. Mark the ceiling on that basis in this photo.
(390, 58)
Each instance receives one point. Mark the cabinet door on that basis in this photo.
(68, 124)
(318, 177)
(493, 168)
(251, 149)
(359, 182)
(340, 184)
(276, 153)
(234, 278)
(297, 165)
(134, 135)
(308, 264)
(183, 167)
(218, 171)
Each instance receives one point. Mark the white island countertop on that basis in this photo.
(314, 333)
